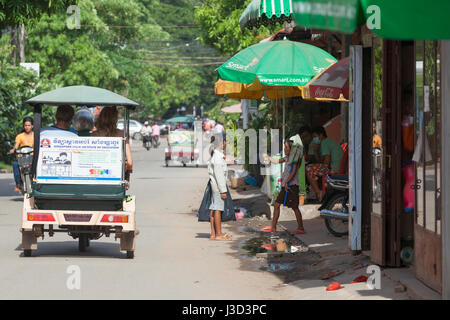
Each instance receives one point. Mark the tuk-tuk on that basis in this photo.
(79, 183)
(181, 142)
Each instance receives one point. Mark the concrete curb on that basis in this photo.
(414, 288)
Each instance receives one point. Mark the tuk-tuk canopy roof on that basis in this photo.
(81, 95)
(181, 119)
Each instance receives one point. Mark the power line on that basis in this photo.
(186, 64)
(176, 26)
(160, 63)
(190, 58)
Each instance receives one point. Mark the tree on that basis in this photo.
(219, 22)
(13, 13)
(17, 84)
(122, 47)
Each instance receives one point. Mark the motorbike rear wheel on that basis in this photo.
(27, 184)
(337, 227)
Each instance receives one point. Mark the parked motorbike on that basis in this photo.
(335, 205)
(147, 140)
(24, 157)
(377, 174)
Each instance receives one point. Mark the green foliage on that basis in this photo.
(120, 46)
(113, 50)
(219, 22)
(378, 80)
(17, 12)
(228, 119)
(17, 84)
(5, 166)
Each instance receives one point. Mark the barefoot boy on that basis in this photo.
(289, 194)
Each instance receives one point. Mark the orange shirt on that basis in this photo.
(25, 140)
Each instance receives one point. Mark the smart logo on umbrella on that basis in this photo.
(237, 66)
(254, 62)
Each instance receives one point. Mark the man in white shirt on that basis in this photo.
(146, 132)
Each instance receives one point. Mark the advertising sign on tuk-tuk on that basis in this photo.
(80, 160)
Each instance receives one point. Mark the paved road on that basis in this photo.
(174, 258)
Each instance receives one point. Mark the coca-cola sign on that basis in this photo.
(324, 92)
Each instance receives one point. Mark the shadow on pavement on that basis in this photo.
(202, 236)
(180, 166)
(64, 249)
(7, 188)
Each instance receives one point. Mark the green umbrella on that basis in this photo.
(277, 63)
(390, 19)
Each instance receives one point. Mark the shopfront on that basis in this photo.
(406, 157)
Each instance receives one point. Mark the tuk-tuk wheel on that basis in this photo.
(130, 254)
(27, 253)
(83, 242)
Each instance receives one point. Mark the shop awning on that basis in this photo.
(398, 19)
(264, 12)
(331, 84)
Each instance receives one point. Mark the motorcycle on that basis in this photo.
(147, 140)
(24, 157)
(335, 205)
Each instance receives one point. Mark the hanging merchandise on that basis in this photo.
(408, 192)
(408, 133)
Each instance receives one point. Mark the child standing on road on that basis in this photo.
(289, 194)
(217, 169)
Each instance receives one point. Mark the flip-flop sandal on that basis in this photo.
(268, 229)
(360, 279)
(298, 231)
(334, 286)
(225, 237)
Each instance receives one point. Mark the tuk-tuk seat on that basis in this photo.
(78, 197)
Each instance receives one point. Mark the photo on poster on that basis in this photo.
(56, 163)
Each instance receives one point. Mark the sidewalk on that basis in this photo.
(322, 242)
(331, 253)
